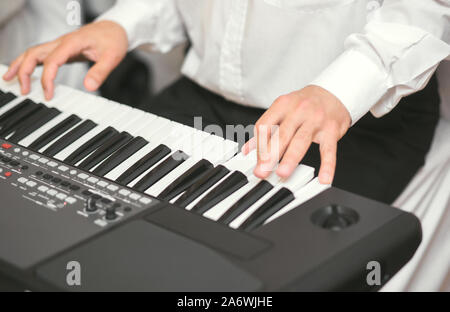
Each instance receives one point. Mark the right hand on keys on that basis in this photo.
(105, 43)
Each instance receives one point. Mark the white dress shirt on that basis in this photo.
(252, 51)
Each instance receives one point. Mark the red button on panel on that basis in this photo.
(8, 174)
(6, 146)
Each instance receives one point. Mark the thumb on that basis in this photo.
(98, 73)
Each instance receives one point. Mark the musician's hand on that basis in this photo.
(310, 115)
(104, 43)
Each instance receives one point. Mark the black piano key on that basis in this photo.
(227, 187)
(106, 150)
(6, 98)
(160, 171)
(69, 138)
(144, 164)
(90, 146)
(34, 124)
(22, 118)
(261, 189)
(200, 187)
(268, 209)
(186, 180)
(120, 156)
(55, 132)
(14, 110)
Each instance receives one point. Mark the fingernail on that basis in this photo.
(91, 84)
(284, 170)
(261, 171)
(325, 178)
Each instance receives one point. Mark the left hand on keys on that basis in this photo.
(309, 115)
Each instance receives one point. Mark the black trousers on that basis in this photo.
(376, 158)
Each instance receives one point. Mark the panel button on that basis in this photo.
(43, 160)
(63, 168)
(83, 176)
(34, 157)
(52, 192)
(113, 188)
(102, 184)
(92, 180)
(31, 184)
(61, 196)
(135, 196)
(22, 180)
(71, 200)
(65, 184)
(124, 192)
(52, 164)
(6, 159)
(75, 188)
(43, 189)
(145, 200)
(6, 146)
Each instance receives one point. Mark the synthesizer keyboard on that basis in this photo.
(143, 203)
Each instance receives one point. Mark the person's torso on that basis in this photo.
(252, 51)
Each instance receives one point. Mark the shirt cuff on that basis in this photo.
(356, 81)
(136, 17)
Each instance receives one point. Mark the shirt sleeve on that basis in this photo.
(396, 55)
(150, 24)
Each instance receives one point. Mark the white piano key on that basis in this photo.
(59, 137)
(312, 189)
(79, 142)
(242, 163)
(103, 122)
(301, 176)
(123, 167)
(12, 104)
(198, 199)
(62, 94)
(219, 210)
(13, 86)
(158, 187)
(180, 170)
(42, 130)
(141, 125)
(154, 127)
(135, 181)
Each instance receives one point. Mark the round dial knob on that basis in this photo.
(91, 205)
(111, 213)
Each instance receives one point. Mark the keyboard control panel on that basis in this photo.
(57, 186)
